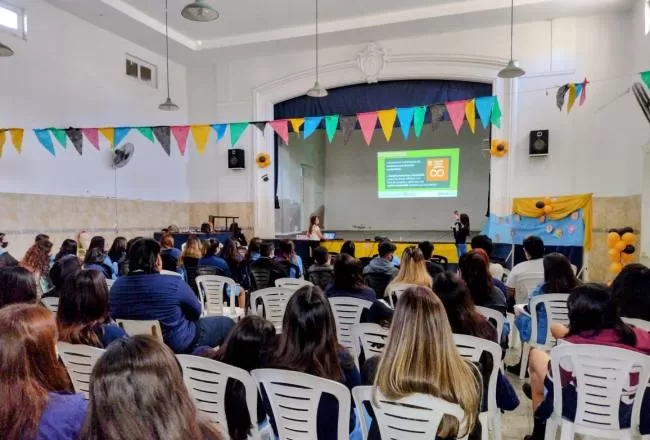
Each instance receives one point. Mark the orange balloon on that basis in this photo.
(548, 209)
(615, 268)
(627, 258)
(612, 239)
(614, 255)
(620, 246)
(628, 238)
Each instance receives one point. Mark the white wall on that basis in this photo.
(71, 73)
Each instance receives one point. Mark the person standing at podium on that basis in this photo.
(461, 232)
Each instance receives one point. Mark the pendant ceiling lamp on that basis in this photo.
(200, 11)
(317, 91)
(168, 105)
(512, 70)
(5, 51)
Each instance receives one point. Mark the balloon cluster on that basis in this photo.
(546, 206)
(621, 248)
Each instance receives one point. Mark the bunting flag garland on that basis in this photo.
(75, 136)
(645, 77)
(484, 106)
(180, 133)
(347, 127)
(109, 134)
(220, 129)
(200, 133)
(261, 126)
(236, 130)
(163, 135)
(387, 122)
(311, 124)
(60, 136)
(456, 110)
(281, 128)
(43, 136)
(572, 97)
(331, 124)
(146, 132)
(437, 113)
(495, 119)
(119, 134)
(296, 123)
(575, 91)
(368, 123)
(583, 95)
(3, 138)
(17, 138)
(92, 134)
(405, 117)
(470, 114)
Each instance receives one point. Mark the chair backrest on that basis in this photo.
(274, 300)
(377, 282)
(206, 380)
(79, 361)
(290, 268)
(321, 278)
(415, 417)
(347, 313)
(211, 291)
(472, 348)
(292, 283)
(369, 339)
(395, 290)
(261, 277)
(496, 319)
(640, 323)
(525, 284)
(51, 303)
(134, 327)
(191, 264)
(294, 399)
(209, 270)
(441, 260)
(555, 305)
(602, 378)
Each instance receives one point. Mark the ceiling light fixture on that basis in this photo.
(168, 105)
(5, 51)
(512, 70)
(200, 11)
(317, 91)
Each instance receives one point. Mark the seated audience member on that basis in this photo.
(473, 269)
(230, 254)
(192, 252)
(210, 259)
(145, 294)
(68, 247)
(237, 234)
(413, 270)
(60, 270)
(321, 272)
(308, 344)
(534, 251)
(593, 319)
(96, 260)
(6, 260)
(631, 291)
(253, 252)
(348, 248)
(170, 255)
(484, 242)
(246, 348)
(36, 394)
(382, 264)
(426, 247)
(265, 270)
(206, 228)
(99, 242)
(137, 391)
(117, 252)
(82, 316)
(37, 261)
(17, 285)
(287, 257)
(411, 363)
(41, 237)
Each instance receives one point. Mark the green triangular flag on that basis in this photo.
(331, 124)
(418, 120)
(146, 132)
(496, 114)
(60, 136)
(236, 130)
(645, 76)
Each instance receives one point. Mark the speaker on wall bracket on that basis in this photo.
(538, 143)
(236, 159)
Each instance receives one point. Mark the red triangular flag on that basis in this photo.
(180, 133)
(456, 110)
(368, 123)
(92, 135)
(281, 128)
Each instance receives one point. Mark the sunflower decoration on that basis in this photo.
(499, 148)
(263, 160)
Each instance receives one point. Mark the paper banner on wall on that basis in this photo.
(109, 134)
(146, 132)
(236, 130)
(92, 134)
(43, 136)
(200, 133)
(496, 114)
(645, 77)
(60, 136)
(3, 138)
(296, 123)
(572, 97)
(311, 124)
(456, 110)
(583, 95)
(484, 106)
(437, 113)
(281, 128)
(17, 135)
(470, 114)
(119, 134)
(405, 117)
(387, 122)
(331, 124)
(220, 129)
(75, 136)
(163, 135)
(180, 133)
(368, 123)
(347, 127)
(261, 126)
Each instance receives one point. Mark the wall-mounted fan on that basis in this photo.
(642, 98)
(122, 155)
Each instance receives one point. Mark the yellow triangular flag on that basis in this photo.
(200, 134)
(108, 133)
(17, 138)
(3, 137)
(470, 114)
(572, 97)
(296, 123)
(387, 121)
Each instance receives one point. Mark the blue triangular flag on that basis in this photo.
(311, 124)
(45, 139)
(120, 134)
(484, 108)
(405, 117)
(220, 129)
(578, 90)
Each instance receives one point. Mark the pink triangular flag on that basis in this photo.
(368, 123)
(456, 110)
(180, 133)
(92, 135)
(583, 95)
(281, 128)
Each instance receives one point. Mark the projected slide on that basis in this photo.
(418, 173)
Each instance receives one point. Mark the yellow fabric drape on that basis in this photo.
(563, 207)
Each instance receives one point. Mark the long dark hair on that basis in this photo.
(253, 247)
(61, 270)
(592, 309)
(630, 291)
(30, 368)
(118, 249)
(68, 247)
(476, 274)
(464, 220)
(143, 256)
(94, 256)
(229, 251)
(349, 248)
(558, 274)
(348, 273)
(136, 388)
(97, 242)
(17, 285)
(308, 341)
(83, 307)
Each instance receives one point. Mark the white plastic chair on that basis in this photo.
(211, 290)
(51, 303)
(556, 312)
(206, 381)
(640, 323)
(493, 315)
(292, 283)
(134, 327)
(79, 361)
(369, 339)
(415, 417)
(294, 399)
(274, 300)
(525, 284)
(396, 290)
(471, 348)
(602, 377)
(347, 313)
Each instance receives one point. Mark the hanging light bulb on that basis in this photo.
(317, 91)
(512, 70)
(168, 105)
(200, 11)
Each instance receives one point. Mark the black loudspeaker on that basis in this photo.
(538, 143)
(236, 159)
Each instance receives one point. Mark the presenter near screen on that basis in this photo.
(461, 232)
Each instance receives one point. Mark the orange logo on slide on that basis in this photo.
(437, 170)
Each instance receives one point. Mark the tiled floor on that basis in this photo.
(518, 423)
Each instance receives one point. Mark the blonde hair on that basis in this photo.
(421, 357)
(192, 249)
(413, 269)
